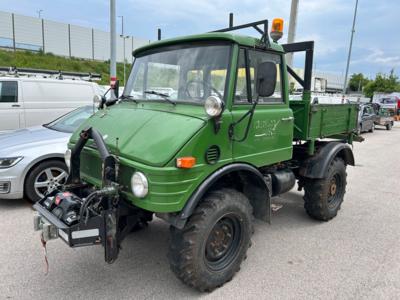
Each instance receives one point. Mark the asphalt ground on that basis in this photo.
(354, 256)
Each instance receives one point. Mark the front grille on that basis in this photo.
(5, 187)
(212, 154)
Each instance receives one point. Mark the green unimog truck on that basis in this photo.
(203, 137)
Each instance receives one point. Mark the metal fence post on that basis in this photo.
(13, 30)
(93, 43)
(43, 36)
(69, 39)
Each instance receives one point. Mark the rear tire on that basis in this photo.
(208, 251)
(44, 177)
(389, 126)
(323, 197)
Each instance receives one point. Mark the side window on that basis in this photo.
(8, 91)
(241, 81)
(256, 58)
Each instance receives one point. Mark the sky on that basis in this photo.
(376, 45)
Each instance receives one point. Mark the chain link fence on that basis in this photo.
(19, 32)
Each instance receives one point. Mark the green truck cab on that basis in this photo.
(203, 137)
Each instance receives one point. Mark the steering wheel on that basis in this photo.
(204, 85)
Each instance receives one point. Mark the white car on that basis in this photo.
(30, 101)
(32, 159)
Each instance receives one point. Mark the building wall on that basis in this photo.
(29, 33)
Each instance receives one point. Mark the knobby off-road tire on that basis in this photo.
(323, 197)
(208, 251)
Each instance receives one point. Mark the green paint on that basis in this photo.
(152, 134)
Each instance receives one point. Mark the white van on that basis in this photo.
(26, 101)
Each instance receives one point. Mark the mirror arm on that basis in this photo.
(250, 113)
(217, 124)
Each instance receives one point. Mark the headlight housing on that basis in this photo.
(139, 185)
(67, 158)
(214, 106)
(8, 162)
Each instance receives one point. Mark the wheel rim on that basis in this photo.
(48, 180)
(223, 242)
(334, 191)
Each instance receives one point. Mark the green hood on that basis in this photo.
(148, 136)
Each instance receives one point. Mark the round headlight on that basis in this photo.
(67, 158)
(139, 184)
(213, 106)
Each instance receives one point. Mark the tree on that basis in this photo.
(382, 83)
(357, 82)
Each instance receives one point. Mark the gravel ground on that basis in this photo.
(354, 256)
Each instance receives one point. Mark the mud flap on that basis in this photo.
(111, 247)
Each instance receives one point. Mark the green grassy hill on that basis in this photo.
(48, 61)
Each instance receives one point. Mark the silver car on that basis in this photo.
(32, 159)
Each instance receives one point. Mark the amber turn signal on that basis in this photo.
(185, 162)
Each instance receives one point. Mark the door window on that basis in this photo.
(8, 91)
(241, 95)
(255, 59)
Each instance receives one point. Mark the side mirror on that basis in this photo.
(266, 79)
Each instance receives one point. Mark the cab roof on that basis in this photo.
(211, 36)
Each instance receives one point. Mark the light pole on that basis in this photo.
(39, 12)
(124, 37)
(113, 46)
(292, 29)
(351, 45)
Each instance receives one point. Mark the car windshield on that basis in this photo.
(185, 73)
(71, 121)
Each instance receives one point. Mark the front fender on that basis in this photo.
(261, 200)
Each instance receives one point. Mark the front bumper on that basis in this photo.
(10, 187)
(77, 235)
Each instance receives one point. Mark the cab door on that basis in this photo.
(270, 128)
(11, 109)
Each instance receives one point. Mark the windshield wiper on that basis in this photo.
(128, 97)
(164, 96)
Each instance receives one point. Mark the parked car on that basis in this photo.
(384, 116)
(28, 101)
(32, 159)
(366, 119)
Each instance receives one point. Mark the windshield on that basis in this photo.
(71, 121)
(181, 74)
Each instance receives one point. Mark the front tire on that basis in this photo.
(208, 251)
(389, 126)
(44, 178)
(323, 197)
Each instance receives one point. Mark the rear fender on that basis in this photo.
(317, 166)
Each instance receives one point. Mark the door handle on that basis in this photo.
(15, 105)
(287, 119)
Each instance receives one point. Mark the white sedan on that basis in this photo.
(32, 159)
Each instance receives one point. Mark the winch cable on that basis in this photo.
(84, 207)
(45, 254)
